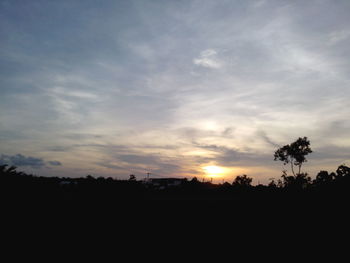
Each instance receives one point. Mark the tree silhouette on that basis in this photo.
(242, 180)
(297, 182)
(10, 170)
(132, 177)
(194, 180)
(323, 177)
(294, 153)
(272, 183)
(343, 171)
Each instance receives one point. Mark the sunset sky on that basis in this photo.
(113, 88)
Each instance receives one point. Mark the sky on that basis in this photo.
(113, 88)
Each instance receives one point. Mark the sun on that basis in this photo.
(213, 170)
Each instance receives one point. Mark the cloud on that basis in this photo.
(331, 152)
(262, 134)
(142, 163)
(54, 163)
(338, 36)
(228, 132)
(20, 160)
(227, 156)
(111, 166)
(138, 159)
(156, 76)
(259, 3)
(59, 148)
(208, 59)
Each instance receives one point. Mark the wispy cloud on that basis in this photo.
(338, 36)
(208, 59)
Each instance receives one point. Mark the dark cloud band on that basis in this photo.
(20, 160)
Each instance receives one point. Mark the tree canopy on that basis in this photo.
(294, 153)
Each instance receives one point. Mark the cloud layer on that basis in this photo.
(170, 86)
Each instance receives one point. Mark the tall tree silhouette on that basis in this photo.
(294, 153)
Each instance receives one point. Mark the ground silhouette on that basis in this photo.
(293, 204)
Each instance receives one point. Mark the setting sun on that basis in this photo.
(213, 171)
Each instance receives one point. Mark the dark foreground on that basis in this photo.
(133, 203)
(45, 212)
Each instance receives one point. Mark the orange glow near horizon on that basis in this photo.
(214, 171)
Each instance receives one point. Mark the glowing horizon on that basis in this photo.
(214, 171)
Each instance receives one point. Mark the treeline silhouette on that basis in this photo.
(289, 200)
(62, 207)
(26, 187)
(152, 214)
